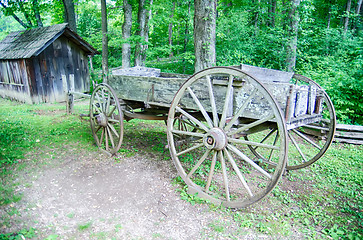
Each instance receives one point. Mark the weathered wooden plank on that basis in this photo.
(353, 128)
(301, 107)
(352, 135)
(163, 90)
(265, 74)
(350, 141)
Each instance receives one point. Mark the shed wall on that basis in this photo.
(62, 60)
(47, 77)
(14, 80)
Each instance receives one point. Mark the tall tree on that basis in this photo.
(171, 30)
(292, 31)
(104, 41)
(346, 15)
(143, 16)
(69, 14)
(357, 11)
(271, 13)
(204, 34)
(126, 34)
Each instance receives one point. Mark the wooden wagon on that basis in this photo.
(232, 131)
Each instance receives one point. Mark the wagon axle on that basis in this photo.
(101, 119)
(215, 139)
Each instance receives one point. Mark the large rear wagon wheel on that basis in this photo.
(205, 137)
(307, 143)
(106, 118)
(310, 142)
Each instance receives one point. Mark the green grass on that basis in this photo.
(323, 201)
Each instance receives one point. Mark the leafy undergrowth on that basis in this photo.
(323, 201)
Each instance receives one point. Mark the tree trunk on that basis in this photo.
(292, 35)
(186, 32)
(204, 34)
(126, 34)
(171, 31)
(271, 13)
(104, 42)
(329, 18)
(143, 17)
(37, 13)
(256, 17)
(357, 11)
(347, 13)
(69, 14)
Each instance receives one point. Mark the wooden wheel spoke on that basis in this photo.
(238, 172)
(226, 101)
(113, 129)
(275, 141)
(267, 136)
(99, 110)
(240, 110)
(253, 124)
(247, 142)
(224, 173)
(102, 135)
(210, 175)
(98, 128)
(193, 119)
(112, 110)
(248, 160)
(306, 139)
(297, 146)
(99, 101)
(197, 165)
(108, 103)
(113, 120)
(110, 136)
(106, 140)
(201, 108)
(189, 123)
(194, 134)
(190, 149)
(212, 102)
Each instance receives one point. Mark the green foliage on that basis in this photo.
(337, 66)
(245, 34)
(23, 234)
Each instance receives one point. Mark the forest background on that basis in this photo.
(327, 35)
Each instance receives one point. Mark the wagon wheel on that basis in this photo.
(304, 147)
(106, 118)
(215, 162)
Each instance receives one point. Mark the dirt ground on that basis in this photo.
(78, 194)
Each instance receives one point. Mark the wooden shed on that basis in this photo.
(42, 64)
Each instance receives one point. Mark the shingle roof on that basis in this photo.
(30, 43)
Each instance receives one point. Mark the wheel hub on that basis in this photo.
(101, 119)
(215, 139)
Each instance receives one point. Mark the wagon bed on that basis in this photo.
(220, 121)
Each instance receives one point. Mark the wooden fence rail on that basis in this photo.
(349, 134)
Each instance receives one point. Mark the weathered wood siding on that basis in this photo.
(14, 80)
(62, 57)
(152, 90)
(39, 79)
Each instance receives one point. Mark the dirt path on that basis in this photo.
(87, 195)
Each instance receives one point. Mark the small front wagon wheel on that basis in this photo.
(106, 118)
(207, 120)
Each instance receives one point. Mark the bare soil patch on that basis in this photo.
(78, 194)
